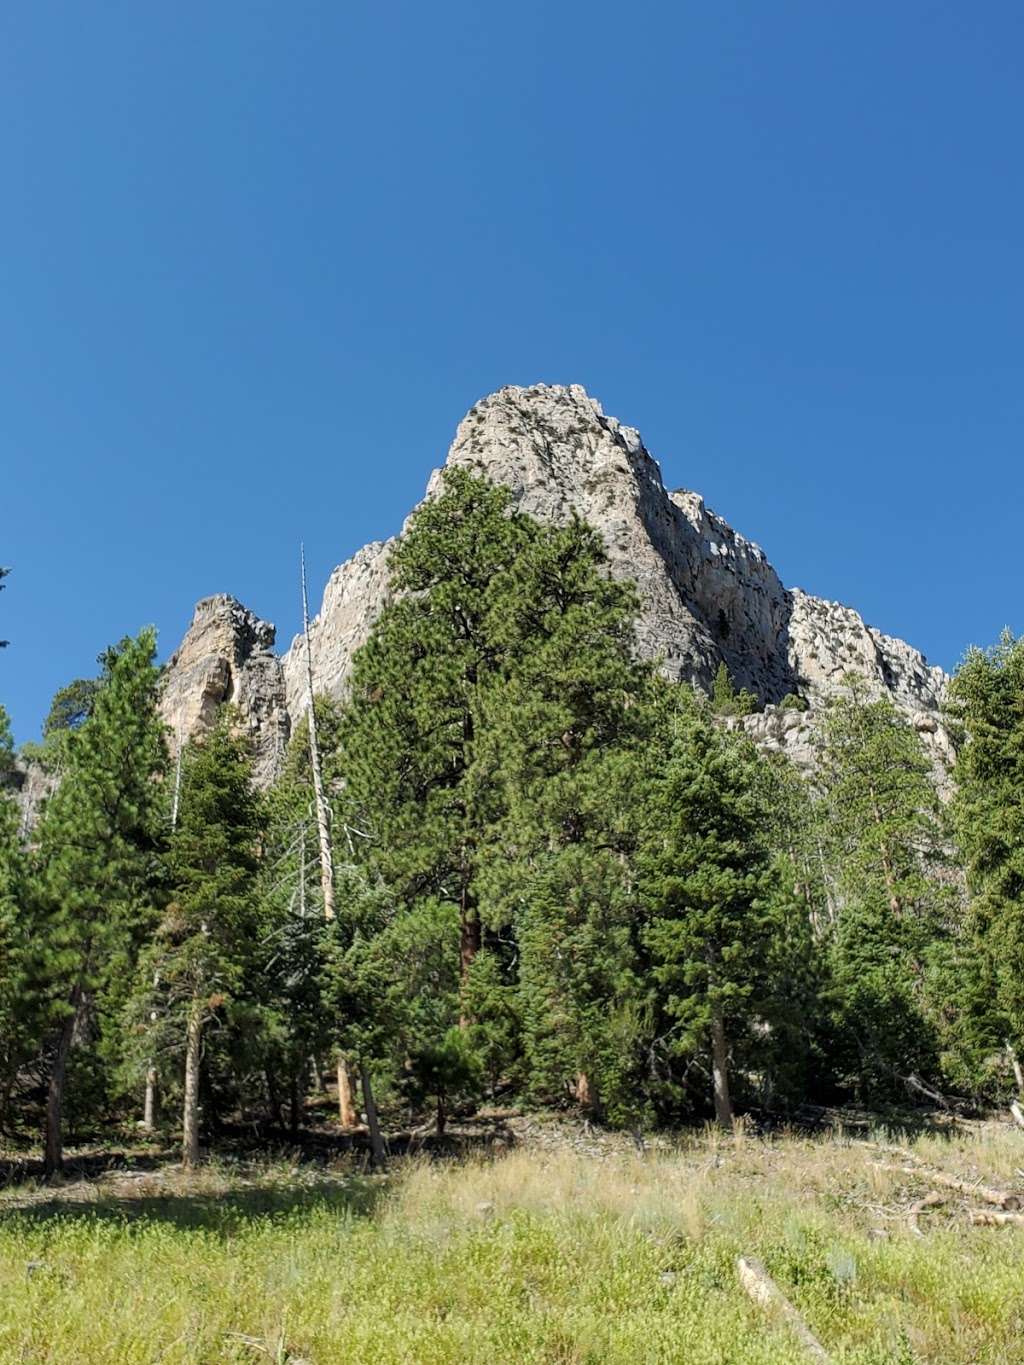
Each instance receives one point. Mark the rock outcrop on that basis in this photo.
(353, 599)
(707, 594)
(227, 655)
(31, 784)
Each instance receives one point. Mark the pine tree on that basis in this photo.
(99, 853)
(725, 700)
(208, 934)
(480, 734)
(882, 830)
(15, 927)
(411, 726)
(296, 1022)
(560, 726)
(986, 705)
(712, 910)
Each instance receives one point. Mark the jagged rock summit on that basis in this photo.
(227, 655)
(707, 594)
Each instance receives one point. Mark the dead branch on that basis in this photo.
(991, 1218)
(931, 1200)
(1004, 1199)
(763, 1290)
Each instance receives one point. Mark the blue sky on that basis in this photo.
(258, 259)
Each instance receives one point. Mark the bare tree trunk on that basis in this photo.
(347, 1116)
(322, 814)
(176, 799)
(442, 1116)
(293, 1106)
(720, 1068)
(53, 1158)
(190, 1110)
(584, 1095)
(372, 1121)
(149, 1105)
(346, 1110)
(1018, 1071)
(151, 1101)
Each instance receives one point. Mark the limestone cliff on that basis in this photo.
(707, 593)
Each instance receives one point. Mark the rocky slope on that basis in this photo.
(707, 593)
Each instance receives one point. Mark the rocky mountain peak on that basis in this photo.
(708, 594)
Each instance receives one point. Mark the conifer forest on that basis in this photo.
(541, 875)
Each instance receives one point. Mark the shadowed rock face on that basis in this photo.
(707, 594)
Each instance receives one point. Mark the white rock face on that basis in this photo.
(707, 594)
(227, 655)
(353, 599)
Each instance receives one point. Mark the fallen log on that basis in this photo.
(763, 1290)
(1004, 1199)
(931, 1200)
(990, 1218)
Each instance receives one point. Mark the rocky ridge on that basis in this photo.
(707, 593)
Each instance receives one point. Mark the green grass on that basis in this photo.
(534, 1257)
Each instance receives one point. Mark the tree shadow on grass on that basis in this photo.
(225, 1214)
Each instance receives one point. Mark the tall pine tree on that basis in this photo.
(208, 935)
(99, 850)
(713, 908)
(986, 706)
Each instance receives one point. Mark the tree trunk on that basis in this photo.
(293, 1106)
(322, 813)
(53, 1159)
(584, 1094)
(273, 1098)
(720, 1069)
(347, 1116)
(151, 1102)
(442, 1116)
(190, 1110)
(1018, 1071)
(372, 1121)
(469, 946)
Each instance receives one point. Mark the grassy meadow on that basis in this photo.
(536, 1255)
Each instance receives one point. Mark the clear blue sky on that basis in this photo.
(258, 258)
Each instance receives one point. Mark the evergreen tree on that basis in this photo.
(99, 850)
(479, 754)
(560, 729)
(986, 705)
(712, 908)
(287, 971)
(412, 723)
(725, 700)
(208, 934)
(71, 705)
(894, 900)
(15, 927)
